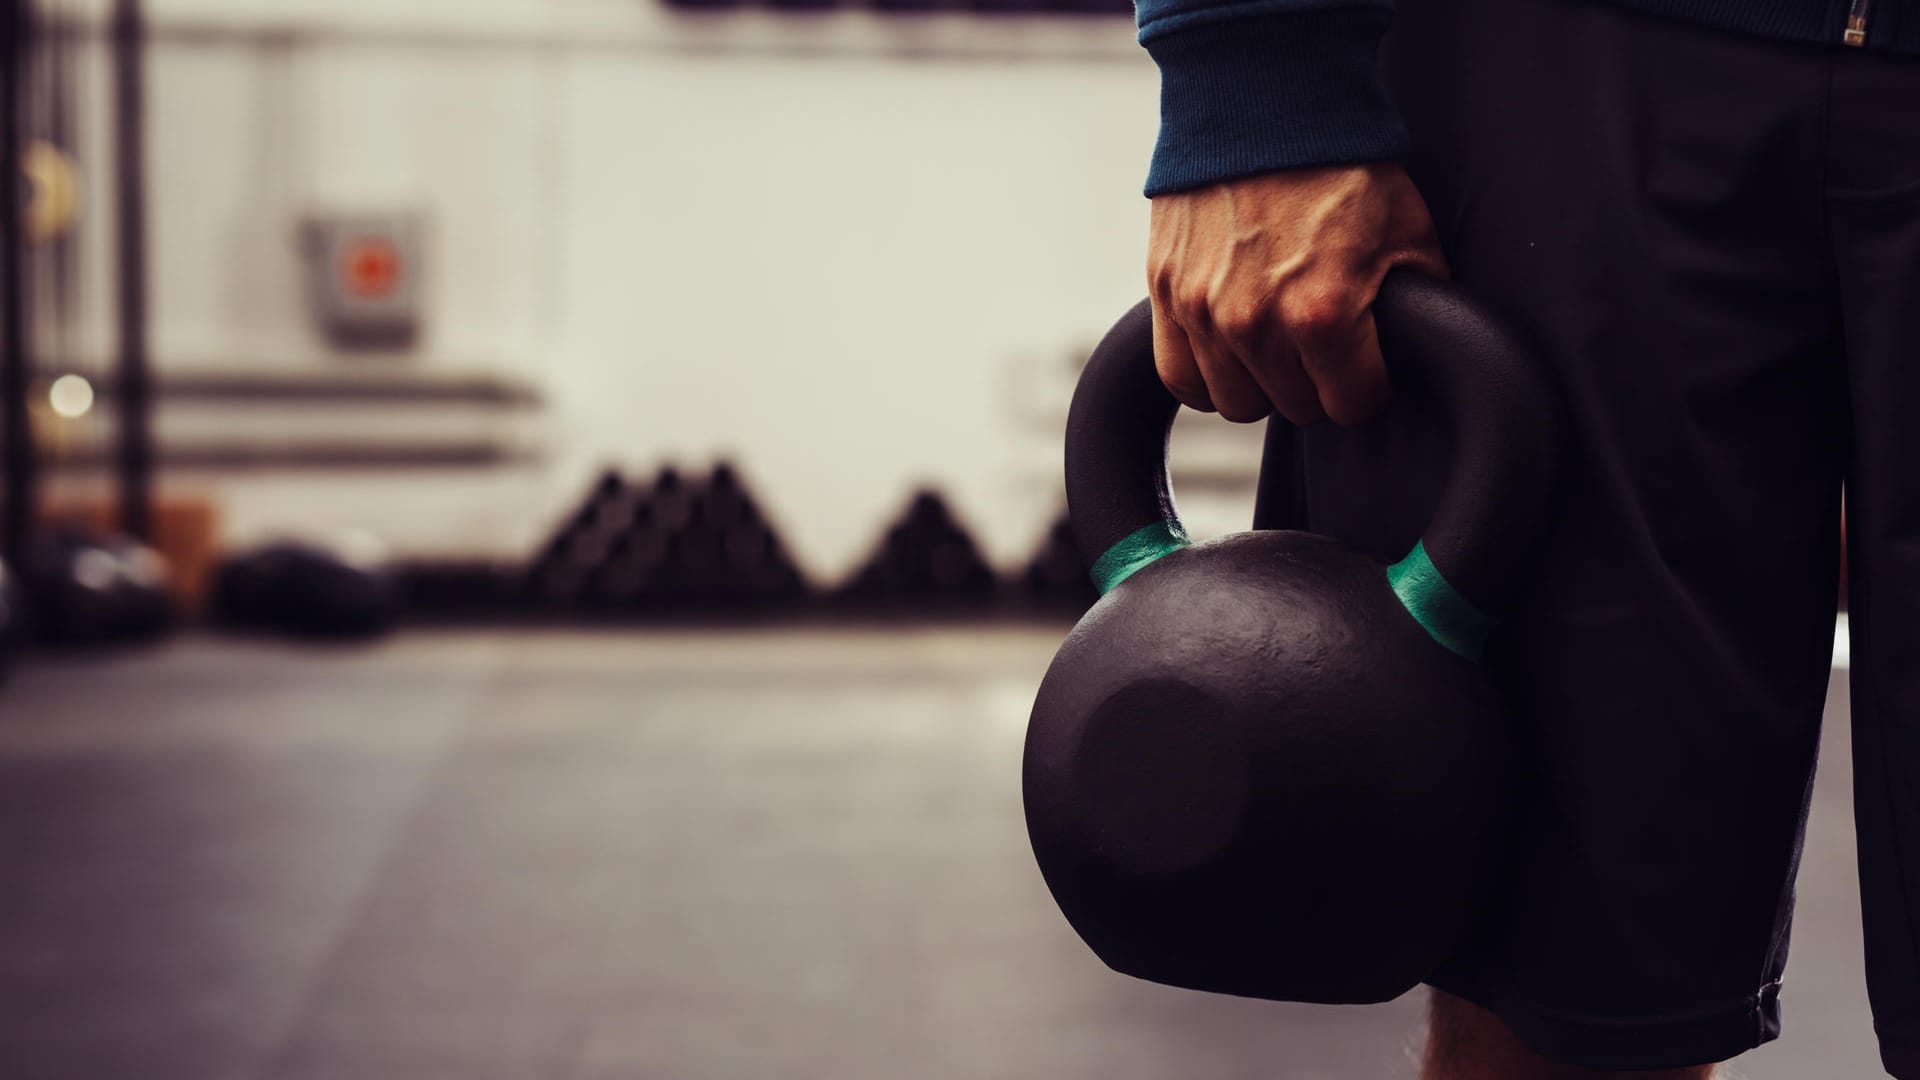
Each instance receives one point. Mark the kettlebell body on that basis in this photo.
(1288, 813)
(1269, 765)
(308, 590)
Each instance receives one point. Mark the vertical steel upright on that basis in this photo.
(135, 451)
(16, 365)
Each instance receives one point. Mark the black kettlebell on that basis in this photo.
(1269, 765)
(308, 590)
(87, 587)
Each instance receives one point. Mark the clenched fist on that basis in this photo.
(1262, 289)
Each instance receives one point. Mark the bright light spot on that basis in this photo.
(71, 396)
(95, 570)
(361, 550)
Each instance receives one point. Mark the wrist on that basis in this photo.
(1239, 97)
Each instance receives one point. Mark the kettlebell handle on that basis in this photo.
(1469, 564)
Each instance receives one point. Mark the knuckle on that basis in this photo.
(1160, 280)
(1239, 320)
(1314, 323)
(1194, 308)
(1314, 313)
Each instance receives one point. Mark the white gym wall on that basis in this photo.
(855, 254)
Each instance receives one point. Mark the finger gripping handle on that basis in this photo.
(1491, 514)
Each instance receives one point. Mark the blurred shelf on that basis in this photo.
(234, 420)
(356, 387)
(352, 455)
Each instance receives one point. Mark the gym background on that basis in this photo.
(531, 529)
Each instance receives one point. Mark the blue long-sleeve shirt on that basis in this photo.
(1254, 86)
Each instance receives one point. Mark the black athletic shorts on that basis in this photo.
(1715, 241)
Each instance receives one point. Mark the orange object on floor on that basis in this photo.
(185, 530)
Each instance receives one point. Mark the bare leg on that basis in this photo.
(1466, 1042)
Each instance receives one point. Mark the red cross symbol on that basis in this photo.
(370, 267)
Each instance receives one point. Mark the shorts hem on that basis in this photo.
(1705, 1036)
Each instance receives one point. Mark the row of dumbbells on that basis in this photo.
(675, 544)
(668, 545)
(672, 546)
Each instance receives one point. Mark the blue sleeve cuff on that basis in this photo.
(1240, 96)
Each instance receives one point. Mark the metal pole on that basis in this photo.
(135, 391)
(16, 366)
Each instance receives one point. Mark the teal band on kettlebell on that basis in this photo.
(1437, 606)
(1135, 550)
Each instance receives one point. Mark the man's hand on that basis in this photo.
(1262, 289)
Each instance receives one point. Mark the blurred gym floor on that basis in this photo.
(577, 856)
